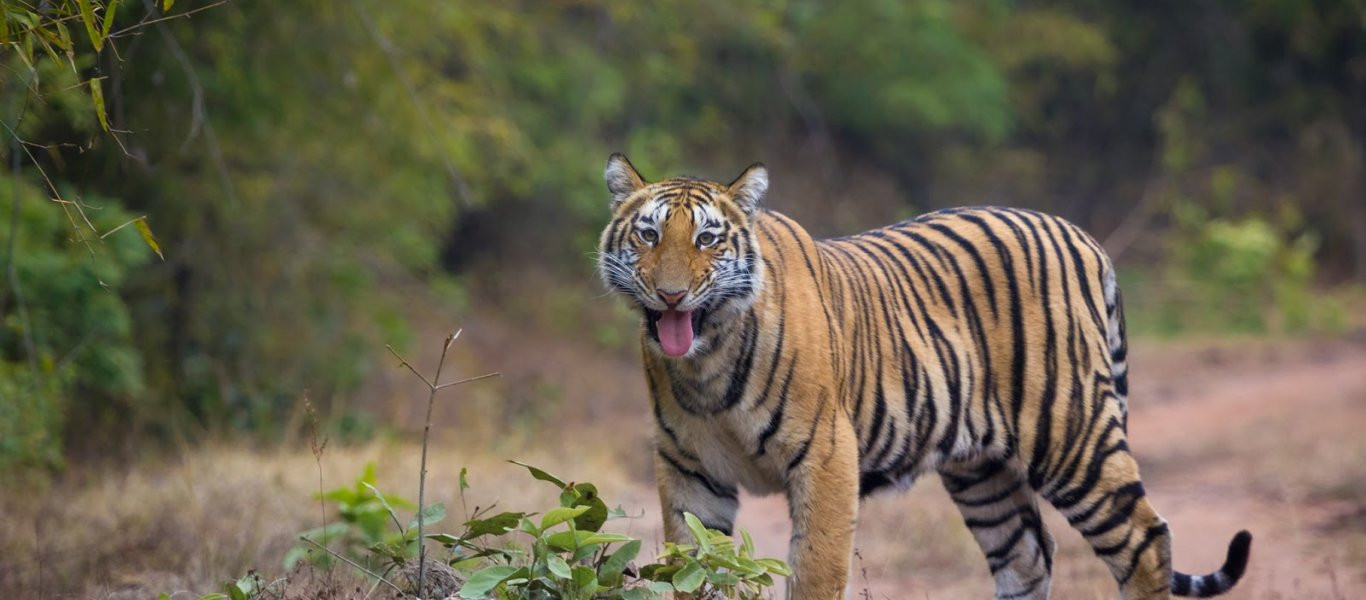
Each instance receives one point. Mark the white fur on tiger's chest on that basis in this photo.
(725, 457)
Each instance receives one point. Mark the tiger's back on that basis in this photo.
(974, 332)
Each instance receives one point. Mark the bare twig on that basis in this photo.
(433, 386)
(410, 367)
(127, 223)
(476, 378)
(317, 448)
(422, 478)
(145, 22)
(352, 563)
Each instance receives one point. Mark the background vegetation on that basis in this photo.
(320, 175)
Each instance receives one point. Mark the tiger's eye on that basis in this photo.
(706, 238)
(649, 235)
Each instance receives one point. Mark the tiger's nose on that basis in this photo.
(671, 297)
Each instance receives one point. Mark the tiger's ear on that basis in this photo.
(748, 189)
(622, 178)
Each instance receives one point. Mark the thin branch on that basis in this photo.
(422, 477)
(404, 362)
(146, 22)
(53, 188)
(467, 380)
(433, 386)
(129, 222)
(352, 563)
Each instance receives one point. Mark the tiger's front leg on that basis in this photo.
(684, 487)
(822, 498)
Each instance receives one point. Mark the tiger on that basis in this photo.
(986, 345)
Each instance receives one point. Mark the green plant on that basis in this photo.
(561, 553)
(570, 557)
(363, 534)
(715, 567)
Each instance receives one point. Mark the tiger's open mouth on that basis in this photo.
(674, 329)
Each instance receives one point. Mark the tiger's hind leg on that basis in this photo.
(1104, 500)
(1002, 511)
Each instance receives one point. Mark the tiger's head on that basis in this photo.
(683, 251)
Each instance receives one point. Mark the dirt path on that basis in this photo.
(1268, 439)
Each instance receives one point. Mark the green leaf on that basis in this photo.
(484, 580)
(611, 569)
(213, 596)
(324, 534)
(722, 578)
(585, 581)
(586, 494)
(749, 566)
(658, 571)
(528, 527)
(96, 40)
(145, 231)
(558, 566)
(431, 514)
(445, 539)
(234, 592)
(775, 566)
(163, 596)
(541, 475)
(699, 531)
(566, 540)
(97, 95)
(605, 538)
(689, 578)
(559, 515)
(109, 11)
(166, 5)
(573, 538)
(584, 553)
(464, 485)
(385, 502)
(496, 525)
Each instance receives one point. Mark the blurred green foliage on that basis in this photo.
(1251, 275)
(312, 168)
(63, 336)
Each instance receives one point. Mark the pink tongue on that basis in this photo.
(675, 332)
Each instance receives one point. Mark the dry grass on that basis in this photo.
(212, 514)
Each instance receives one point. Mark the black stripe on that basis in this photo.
(775, 420)
(716, 488)
(806, 445)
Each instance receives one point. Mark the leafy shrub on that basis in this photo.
(561, 553)
(363, 533)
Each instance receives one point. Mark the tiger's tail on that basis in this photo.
(1218, 582)
(1118, 342)
(1200, 586)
